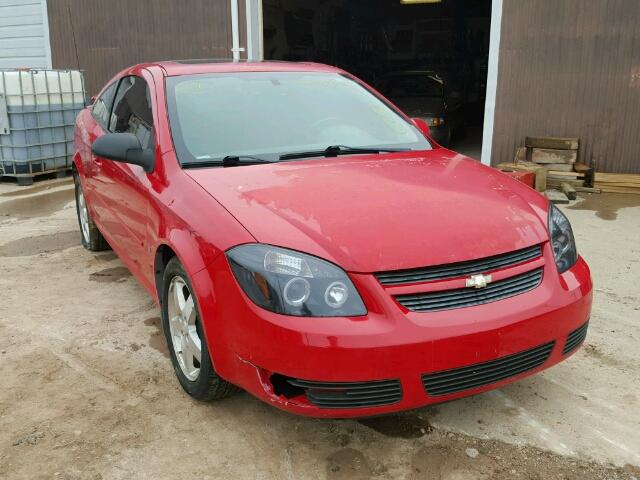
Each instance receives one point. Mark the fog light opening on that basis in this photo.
(281, 386)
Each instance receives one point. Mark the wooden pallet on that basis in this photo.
(554, 160)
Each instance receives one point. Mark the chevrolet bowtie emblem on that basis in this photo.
(478, 281)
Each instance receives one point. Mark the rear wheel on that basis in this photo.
(185, 338)
(90, 236)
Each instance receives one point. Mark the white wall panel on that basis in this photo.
(24, 34)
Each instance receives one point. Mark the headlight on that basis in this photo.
(435, 121)
(293, 283)
(564, 246)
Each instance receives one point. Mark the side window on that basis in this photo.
(132, 110)
(102, 105)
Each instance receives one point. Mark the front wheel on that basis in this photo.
(185, 337)
(90, 236)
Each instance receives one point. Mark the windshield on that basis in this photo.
(402, 86)
(268, 114)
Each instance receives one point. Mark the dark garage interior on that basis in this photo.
(411, 50)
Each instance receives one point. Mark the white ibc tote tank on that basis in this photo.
(37, 114)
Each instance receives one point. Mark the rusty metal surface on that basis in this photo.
(571, 68)
(111, 35)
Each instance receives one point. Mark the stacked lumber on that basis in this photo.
(555, 178)
(540, 182)
(559, 156)
(617, 182)
(556, 153)
(554, 161)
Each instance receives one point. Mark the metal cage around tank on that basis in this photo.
(37, 116)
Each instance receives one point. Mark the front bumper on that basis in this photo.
(249, 345)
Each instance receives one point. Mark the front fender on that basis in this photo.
(195, 240)
(193, 251)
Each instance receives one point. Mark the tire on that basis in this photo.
(179, 327)
(90, 236)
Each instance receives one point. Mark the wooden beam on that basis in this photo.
(551, 155)
(586, 189)
(618, 184)
(608, 189)
(561, 143)
(540, 183)
(557, 173)
(559, 167)
(568, 190)
(581, 167)
(556, 197)
(556, 182)
(617, 177)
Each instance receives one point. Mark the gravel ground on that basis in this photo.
(89, 393)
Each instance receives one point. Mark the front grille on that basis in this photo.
(472, 376)
(350, 394)
(459, 269)
(575, 338)
(467, 297)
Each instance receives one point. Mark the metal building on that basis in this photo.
(571, 68)
(545, 67)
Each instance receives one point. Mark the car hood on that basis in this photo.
(372, 213)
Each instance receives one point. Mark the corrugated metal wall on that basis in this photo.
(24, 38)
(571, 68)
(102, 37)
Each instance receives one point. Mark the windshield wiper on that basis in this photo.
(231, 160)
(335, 150)
(228, 161)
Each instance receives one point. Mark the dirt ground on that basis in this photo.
(87, 390)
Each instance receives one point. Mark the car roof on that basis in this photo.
(195, 66)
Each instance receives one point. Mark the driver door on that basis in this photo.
(100, 111)
(127, 186)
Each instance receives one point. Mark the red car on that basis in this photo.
(310, 244)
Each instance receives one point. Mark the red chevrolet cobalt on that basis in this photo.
(310, 244)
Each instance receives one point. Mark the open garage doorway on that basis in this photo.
(429, 57)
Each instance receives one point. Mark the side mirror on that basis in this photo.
(422, 126)
(92, 100)
(124, 147)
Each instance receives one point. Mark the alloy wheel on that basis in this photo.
(183, 328)
(83, 213)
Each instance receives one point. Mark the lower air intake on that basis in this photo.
(575, 338)
(480, 374)
(350, 394)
